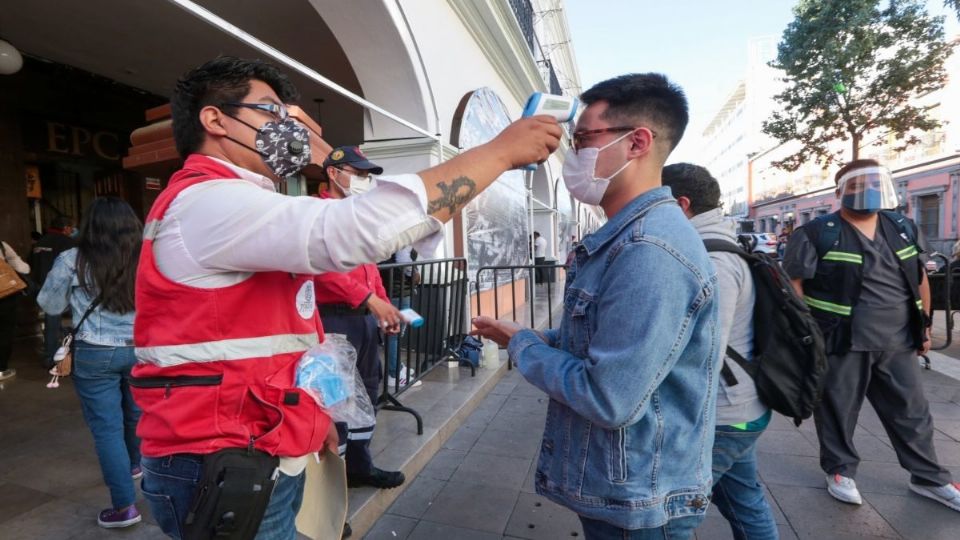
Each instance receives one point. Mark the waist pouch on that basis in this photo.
(232, 495)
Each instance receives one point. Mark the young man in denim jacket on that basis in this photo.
(632, 371)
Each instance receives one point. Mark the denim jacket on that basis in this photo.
(632, 371)
(62, 287)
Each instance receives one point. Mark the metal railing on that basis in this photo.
(437, 291)
(533, 275)
(941, 296)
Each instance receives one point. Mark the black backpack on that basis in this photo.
(789, 358)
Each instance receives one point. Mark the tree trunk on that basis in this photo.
(855, 143)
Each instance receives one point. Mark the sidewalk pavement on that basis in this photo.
(479, 486)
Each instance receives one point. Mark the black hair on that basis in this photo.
(221, 80)
(643, 97)
(108, 251)
(855, 164)
(695, 183)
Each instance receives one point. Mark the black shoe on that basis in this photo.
(347, 531)
(377, 478)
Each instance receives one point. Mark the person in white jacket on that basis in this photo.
(8, 313)
(741, 417)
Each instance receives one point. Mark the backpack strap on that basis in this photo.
(905, 225)
(824, 232)
(716, 244)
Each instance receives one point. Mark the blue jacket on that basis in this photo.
(62, 289)
(631, 372)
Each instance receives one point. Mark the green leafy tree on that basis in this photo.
(852, 67)
(954, 5)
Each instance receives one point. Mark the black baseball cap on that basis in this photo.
(351, 155)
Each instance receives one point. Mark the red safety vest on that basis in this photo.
(217, 366)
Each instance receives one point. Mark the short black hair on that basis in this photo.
(695, 183)
(60, 221)
(648, 97)
(855, 164)
(223, 79)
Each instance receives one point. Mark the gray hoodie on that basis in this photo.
(735, 404)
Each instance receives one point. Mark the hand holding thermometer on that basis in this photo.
(563, 108)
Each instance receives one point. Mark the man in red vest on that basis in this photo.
(225, 296)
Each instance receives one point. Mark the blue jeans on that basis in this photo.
(736, 490)
(393, 342)
(169, 484)
(101, 377)
(675, 529)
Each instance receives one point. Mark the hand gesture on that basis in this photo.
(528, 140)
(499, 332)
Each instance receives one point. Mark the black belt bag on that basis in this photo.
(232, 495)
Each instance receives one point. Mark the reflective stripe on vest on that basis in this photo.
(907, 252)
(226, 349)
(828, 306)
(150, 229)
(843, 256)
(920, 304)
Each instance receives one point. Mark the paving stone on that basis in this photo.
(427, 530)
(465, 437)
(536, 518)
(945, 411)
(526, 389)
(492, 470)
(16, 499)
(391, 527)
(885, 478)
(471, 506)
(525, 404)
(443, 464)
(916, 517)
(529, 483)
(790, 470)
(787, 442)
(417, 498)
(949, 428)
(505, 387)
(510, 421)
(813, 513)
(510, 443)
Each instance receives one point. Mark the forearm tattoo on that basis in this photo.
(453, 196)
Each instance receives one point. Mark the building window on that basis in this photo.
(928, 215)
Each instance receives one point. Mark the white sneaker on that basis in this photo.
(404, 378)
(8, 374)
(947, 495)
(843, 489)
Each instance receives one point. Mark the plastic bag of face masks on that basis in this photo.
(328, 372)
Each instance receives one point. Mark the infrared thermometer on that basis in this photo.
(563, 108)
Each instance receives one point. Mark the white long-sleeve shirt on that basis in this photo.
(217, 233)
(15, 261)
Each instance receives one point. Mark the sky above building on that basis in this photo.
(699, 44)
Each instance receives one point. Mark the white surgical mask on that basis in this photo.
(580, 168)
(358, 185)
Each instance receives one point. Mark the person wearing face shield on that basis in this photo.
(632, 372)
(861, 272)
(226, 302)
(356, 305)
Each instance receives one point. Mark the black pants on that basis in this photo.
(540, 273)
(363, 333)
(891, 381)
(8, 327)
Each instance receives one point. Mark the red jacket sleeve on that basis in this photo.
(340, 288)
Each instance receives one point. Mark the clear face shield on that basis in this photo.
(868, 190)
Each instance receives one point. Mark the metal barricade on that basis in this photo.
(943, 297)
(437, 291)
(507, 275)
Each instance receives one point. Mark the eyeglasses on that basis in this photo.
(580, 136)
(279, 111)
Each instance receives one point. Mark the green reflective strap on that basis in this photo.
(828, 306)
(742, 426)
(907, 252)
(843, 256)
(920, 305)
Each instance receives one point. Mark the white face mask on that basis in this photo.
(580, 168)
(358, 185)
